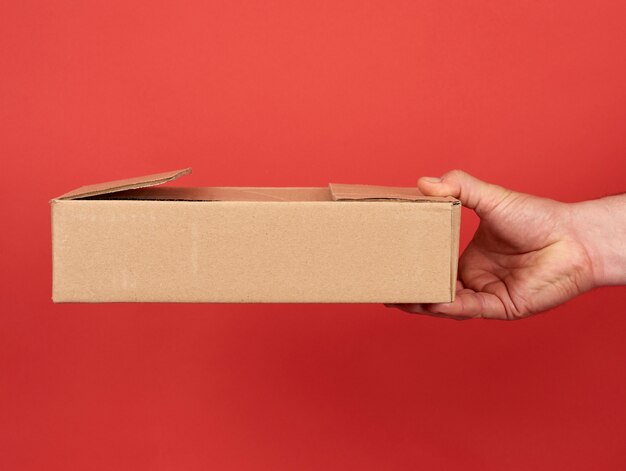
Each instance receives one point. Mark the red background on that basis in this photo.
(527, 94)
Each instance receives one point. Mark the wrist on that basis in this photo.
(600, 226)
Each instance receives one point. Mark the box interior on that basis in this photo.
(173, 193)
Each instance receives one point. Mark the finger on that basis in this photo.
(470, 304)
(422, 311)
(416, 308)
(472, 192)
(420, 308)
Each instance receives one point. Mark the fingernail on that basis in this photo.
(432, 179)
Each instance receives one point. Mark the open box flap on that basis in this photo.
(126, 184)
(338, 191)
(347, 192)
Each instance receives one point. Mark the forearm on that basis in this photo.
(601, 226)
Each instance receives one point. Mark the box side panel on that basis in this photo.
(162, 251)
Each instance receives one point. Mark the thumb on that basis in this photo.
(473, 193)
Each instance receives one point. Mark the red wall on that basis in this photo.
(527, 94)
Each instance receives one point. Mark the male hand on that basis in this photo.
(527, 256)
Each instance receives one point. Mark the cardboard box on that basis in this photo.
(134, 241)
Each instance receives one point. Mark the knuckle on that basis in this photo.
(455, 174)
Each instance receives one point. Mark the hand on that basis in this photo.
(526, 257)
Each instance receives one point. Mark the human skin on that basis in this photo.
(529, 254)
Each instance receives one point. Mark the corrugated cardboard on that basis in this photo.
(131, 240)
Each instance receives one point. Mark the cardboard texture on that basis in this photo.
(133, 241)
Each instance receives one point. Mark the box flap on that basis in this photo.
(126, 184)
(346, 192)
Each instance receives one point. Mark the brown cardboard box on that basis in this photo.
(131, 240)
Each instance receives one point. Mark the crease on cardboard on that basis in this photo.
(263, 194)
(126, 184)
